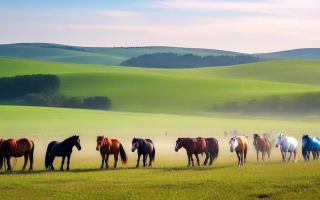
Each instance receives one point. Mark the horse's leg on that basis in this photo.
(295, 155)
(245, 156)
(31, 160)
(116, 159)
(25, 161)
(52, 157)
(139, 155)
(8, 163)
(211, 157)
(207, 157)
(107, 160)
(150, 160)
(62, 162)
(68, 162)
(102, 162)
(197, 157)
(290, 156)
(144, 160)
(189, 158)
(238, 155)
(314, 155)
(192, 160)
(257, 156)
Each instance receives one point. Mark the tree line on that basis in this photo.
(59, 47)
(19, 86)
(173, 60)
(308, 103)
(41, 90)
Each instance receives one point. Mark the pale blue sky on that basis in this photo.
(245, 26)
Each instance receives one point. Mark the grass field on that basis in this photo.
(175, 91)
(169, 177)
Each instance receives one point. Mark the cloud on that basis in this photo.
(276, 7)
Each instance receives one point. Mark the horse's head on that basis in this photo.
(135, 144)
(233, 143)
(76, 142)
(255, 138)
(99, 142)
(279, 139)
(305, 139)
(178, 144)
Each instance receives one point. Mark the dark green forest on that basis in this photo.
(173, 60)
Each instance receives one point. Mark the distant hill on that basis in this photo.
(308, 53)
(94, 55)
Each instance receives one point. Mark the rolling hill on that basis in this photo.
(306, 53)
(174, 91)
(96, 55)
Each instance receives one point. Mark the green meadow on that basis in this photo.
(175, 90)
(169, 178)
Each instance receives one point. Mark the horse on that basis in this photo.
(225, 134)
(240, 145)
(310, 144)
(145, 147)
(212, 148)
(287, 144)
(16, 148)
(235, 133)
(110, 146)
(193, 146)
(263, 145)
(61, 149)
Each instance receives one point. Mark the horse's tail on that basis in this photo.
(32, 150)
(47, 160)
(123, 155)
(216, 153)
(153, 154)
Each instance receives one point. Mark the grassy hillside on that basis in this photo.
(178, 91)
(306, 53)
(96, 55)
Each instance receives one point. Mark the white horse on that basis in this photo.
(287, 144)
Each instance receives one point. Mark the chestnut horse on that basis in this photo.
(145, 147)
(213, 148)
(193, 146)
(263, 145)
(16, 148)
(240, 145)
(110, 146)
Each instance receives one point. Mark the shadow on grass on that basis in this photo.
(201, 168)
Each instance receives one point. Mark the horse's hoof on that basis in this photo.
(137, 166)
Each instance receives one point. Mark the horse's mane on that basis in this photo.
(68, 140)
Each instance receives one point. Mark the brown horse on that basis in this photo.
(193, 146)
(240, 145)
(263, 145)
(110, 146)
(16, 148)
(213, 148)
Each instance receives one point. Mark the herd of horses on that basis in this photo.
(145, 147)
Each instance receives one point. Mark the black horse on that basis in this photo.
(61, 149)
(145, 147)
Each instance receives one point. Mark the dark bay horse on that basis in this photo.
(110, 146)
(193, 146)
(145, 147)
(239, 144)
(61, 149)
(263, 145)
(16, 148)
(213, 148)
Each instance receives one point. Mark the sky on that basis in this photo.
(247, 26)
